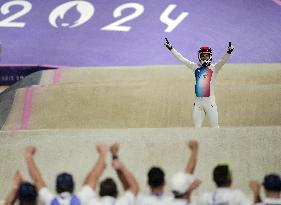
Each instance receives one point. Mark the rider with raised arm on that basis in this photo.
(205, 77)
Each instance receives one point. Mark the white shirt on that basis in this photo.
(270, 201)
(153, 199)
(224, 196)
(177, 202)
(214, 69)
(84, 195)
(127, 199)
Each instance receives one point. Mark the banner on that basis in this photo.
(11, 74)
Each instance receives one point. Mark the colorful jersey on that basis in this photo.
(203, 77)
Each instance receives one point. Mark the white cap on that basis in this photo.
(181, 182)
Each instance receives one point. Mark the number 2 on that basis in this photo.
(116, 26)
(5, 9)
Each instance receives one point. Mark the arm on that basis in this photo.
(192, 161)
(196, 183)
(191, 164)
(128, 177)
(12, 196)
(185, 61)
(114, 149)
(94, 175)
(225, 58)
(32, 168)
(255, 187)
(178, 56)
(221, 62)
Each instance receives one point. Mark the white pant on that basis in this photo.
(202, 106)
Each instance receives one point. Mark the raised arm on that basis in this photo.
(255, 187)
(94, 175)
(178, 56)
(191, 165)
(11, 198)
(192, 161)
(127, 179)
(32, 167)
(225, 58)
(114, 149)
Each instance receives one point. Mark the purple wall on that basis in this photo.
(253, 26)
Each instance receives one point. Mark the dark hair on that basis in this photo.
(222, 175)
(27, 193)
(272, 182)
(64, 183)
(156, 177)
(108, 188)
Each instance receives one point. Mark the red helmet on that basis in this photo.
(207, 50)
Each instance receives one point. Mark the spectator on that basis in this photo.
(272, 187)
(183, 183)
(156, 183)
(25, 192)
(223, 195)
(108, 188)
(64, 182)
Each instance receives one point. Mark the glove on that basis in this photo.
(230, 48)
(168, 44)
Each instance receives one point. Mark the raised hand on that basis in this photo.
(30, 150)
(168, 44)
(193, 145)
(101, 148)
(230, 48)
(114, 149)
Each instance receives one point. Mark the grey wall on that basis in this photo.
(250, 151)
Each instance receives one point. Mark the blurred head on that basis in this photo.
(181, 183)
(222, 175)
(64, 183)
(205, 56)
(156, 177)
(27, 194)
(272, 183)
(108, 188)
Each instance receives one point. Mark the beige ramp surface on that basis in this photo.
(2, 88)
(251, 152)
(230, 73)
(153, 97)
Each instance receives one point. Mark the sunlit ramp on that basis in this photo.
(140, 97)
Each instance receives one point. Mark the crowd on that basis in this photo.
(182, 184)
